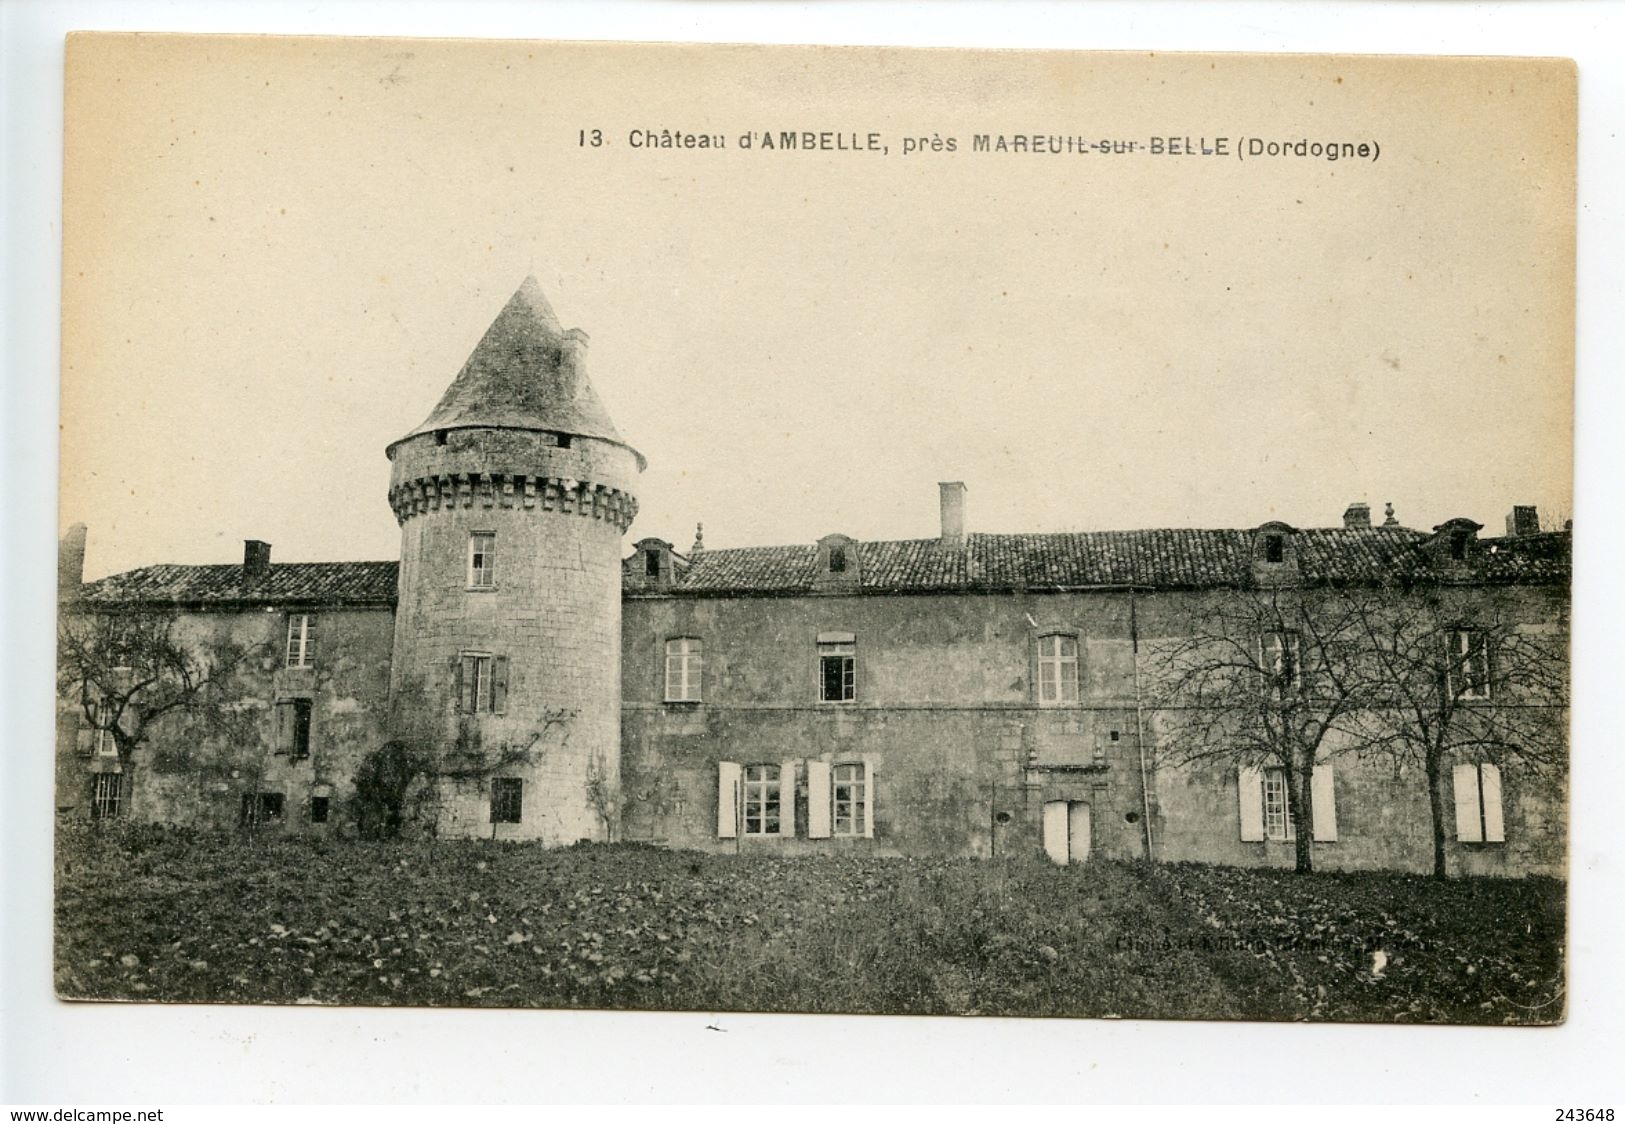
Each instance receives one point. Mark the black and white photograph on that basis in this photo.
(590, 578)
(763, 530)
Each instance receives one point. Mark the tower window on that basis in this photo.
(482, 683)
(482, 560)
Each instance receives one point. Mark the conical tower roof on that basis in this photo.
(525, 373)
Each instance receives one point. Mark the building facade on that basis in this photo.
(970, 694)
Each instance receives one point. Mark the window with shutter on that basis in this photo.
(728, 786)
(1250, 790)
(851, 799)
(482, 683)
(293, 727)
(1277, 814)
(763, 800)
(1478, 804)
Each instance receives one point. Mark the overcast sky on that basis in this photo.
(278, 255)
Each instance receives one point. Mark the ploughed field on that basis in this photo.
(154, 914)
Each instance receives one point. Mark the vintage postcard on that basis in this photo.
(815, 529)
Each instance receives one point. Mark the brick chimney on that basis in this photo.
(953, 514)
(1357, 514)
(256, 558)
(1523, 520)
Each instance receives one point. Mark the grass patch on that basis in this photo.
(154, 914)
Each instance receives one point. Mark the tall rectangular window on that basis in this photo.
(293, 727)
(1282, 662)
(1277, 814)
(301, 640)
(1057, 670)
(482, 683)
(1469, 653)
(850, 789)
(685, 659)
(107, 797)
(482, 559)
(837, 671)
(763, 798)
(507, 799)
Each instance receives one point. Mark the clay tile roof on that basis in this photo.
(518, 378)
(301, 583)
(1153, 559)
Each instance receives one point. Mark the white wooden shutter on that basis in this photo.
(869, 801)
(1250, 789)
(727, 799)
(818, 799)
(1323, 799)
(787, 798)
(1468, 827)
(1494, 828)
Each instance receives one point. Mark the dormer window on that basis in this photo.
(838, 563)
(651, 563)
(1274, 549)
(1454, 541)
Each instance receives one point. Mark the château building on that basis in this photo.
(968, 694)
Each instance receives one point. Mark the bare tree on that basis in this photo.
(131, 668)
(1262, 679)
(1460, 677)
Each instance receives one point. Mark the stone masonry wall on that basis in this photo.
(190, 772)
(965, 758)
(553, 612)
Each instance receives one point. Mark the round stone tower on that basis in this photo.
(512, 499)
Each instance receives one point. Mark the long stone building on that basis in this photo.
(969, 694)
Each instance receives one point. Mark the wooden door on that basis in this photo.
(1055, 831)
